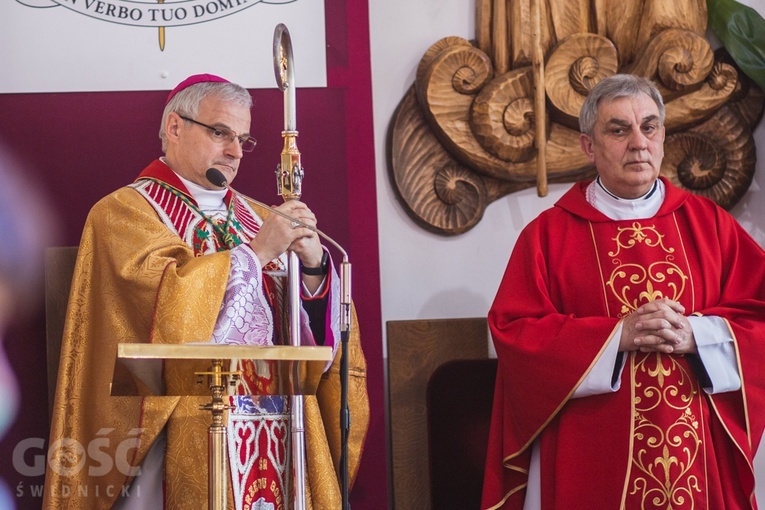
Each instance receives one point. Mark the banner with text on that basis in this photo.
(120, 45)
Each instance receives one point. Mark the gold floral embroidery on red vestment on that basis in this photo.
(646, 263)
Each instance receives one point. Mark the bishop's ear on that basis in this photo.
(172, 125)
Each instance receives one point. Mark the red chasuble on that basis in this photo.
(660, 441)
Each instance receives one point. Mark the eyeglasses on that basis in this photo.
(223, 135)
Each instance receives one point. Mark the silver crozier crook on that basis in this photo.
(289, 176)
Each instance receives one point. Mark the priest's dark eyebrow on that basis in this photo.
(622, 123)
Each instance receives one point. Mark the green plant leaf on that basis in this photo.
(742, 31)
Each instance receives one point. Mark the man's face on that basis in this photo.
(627, 145)
(192, 148)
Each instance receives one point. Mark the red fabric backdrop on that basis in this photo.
(78, 147)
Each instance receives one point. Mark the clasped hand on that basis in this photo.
(277, 234)
(658, 326)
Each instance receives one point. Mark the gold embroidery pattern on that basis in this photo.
(667, 470)
(629, 237)
(634, 284)
(664, 457)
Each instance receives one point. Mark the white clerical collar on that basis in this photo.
(210, 201)
(625, 208)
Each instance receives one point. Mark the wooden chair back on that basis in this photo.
(416, 348)
(59, 268)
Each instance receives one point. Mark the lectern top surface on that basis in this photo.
(218, 351)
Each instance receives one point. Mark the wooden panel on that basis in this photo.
(59, 268)
(416, 349)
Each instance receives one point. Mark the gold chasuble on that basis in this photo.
(660, 435)
(151, 269)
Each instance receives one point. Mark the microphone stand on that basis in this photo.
(345, 414)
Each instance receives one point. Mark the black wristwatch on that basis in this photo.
(317, 271)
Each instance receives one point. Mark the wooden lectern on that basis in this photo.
(294, 371)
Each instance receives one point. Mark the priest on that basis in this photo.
(629, 330)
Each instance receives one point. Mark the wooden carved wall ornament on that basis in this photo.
(498, 115)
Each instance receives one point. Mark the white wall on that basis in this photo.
(427, 276)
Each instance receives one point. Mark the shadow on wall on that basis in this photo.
(453, 304)
(750, 211)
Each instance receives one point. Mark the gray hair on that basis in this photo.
(186, 102)
(615, 87)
